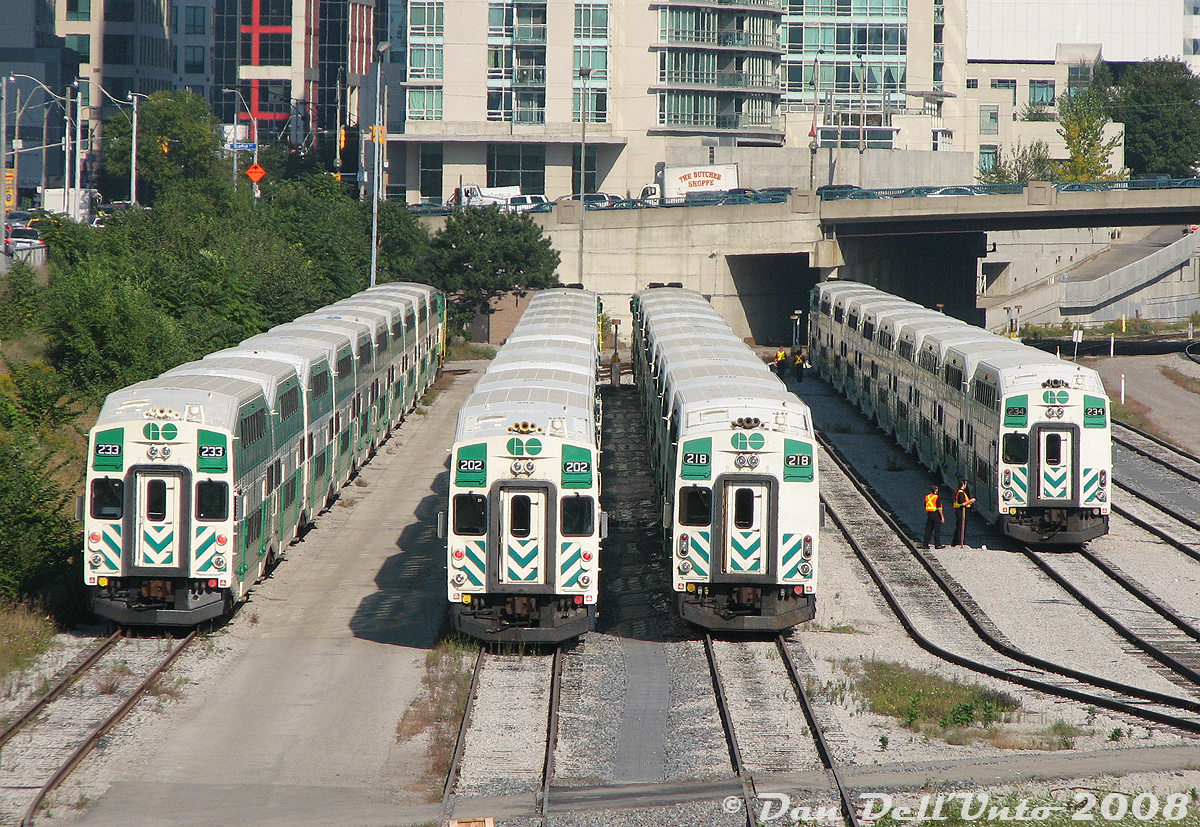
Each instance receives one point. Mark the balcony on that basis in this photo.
(939, 53)
(721, 80)
(768, 5)
(529, 76)
(529, 115)
(939, 14)
(732, 121)
(728, 39)
(530, 33)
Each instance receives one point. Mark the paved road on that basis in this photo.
(1174, 410)
(301, 729)
(1125, 252)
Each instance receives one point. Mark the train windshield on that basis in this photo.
(743, 508)
(577, 518)
(1053, 453)
(108, 499)
(212, 500)
(1016, 449)
(695, 506)
(520, 515)
(470, 514)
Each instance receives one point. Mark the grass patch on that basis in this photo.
(461, 351)
(437, 711)
(24, 634)
(1187, 382)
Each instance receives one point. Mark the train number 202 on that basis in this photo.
(797, 460)
(470, 465)
(577, 467)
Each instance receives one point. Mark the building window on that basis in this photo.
(597, 105)
(118, 49)
(1006, 83)
(594, 58)
(591, 184)
(1041, 91)
(972, 83)
(591, 21)
(529, 106)
(425, 62)
(194, 20)
(81, 44)
(989, 120)
(274, 49)
(500, 62)
(424, 104)
(687, 109)
(193, 60)
(426, 19)
(517, 165)
(270, 13)
(79, 9)
(988, 155)
(118, 11)
(499, 105)
(1079, 78)
(500, 20)
(431, 173)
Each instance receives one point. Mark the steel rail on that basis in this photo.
(1155, 530)
(735, 752)
(1152, 602)
(1123, 631)
(552, 728)
(1142, 452)
(461, 741)
(59, 687)
(96, 734)
(1003, 648)
(823, 750)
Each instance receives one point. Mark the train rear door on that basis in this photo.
(1056, 460)
(745, 530)
(522, 535)
(158, 530)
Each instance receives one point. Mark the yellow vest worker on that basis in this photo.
(933, 517)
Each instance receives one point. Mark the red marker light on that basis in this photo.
(798, 589)
(212, 584)
(222, 539)
(458, 554)
(579, 600)
(95, 537)
(587, 555)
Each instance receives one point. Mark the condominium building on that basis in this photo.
(497, 94)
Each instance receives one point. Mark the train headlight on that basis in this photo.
(219, 563)
(1102, 496)
(805, 570)
(459, 578)
(685, 566)
(529, 466)
(515, 467)
(752, 460)
(166, 451)
(1103, 478)
(96, 561)
(584, 580)
(807, 547)
(1008, 494)
(1012, 512)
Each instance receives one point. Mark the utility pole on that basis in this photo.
(78, 206)
(4, 138)
(377, 166)
(585, 72)
(133, 148)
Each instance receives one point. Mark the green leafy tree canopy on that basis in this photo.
(1082, 118)
(1020, 164)
(1159, 103)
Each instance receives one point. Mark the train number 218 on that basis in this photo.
(797, 461)
(694, 458)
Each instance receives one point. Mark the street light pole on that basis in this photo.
(585, 72)
(133, 148)
(78, 205)
(377, 165)
(253, 132)
(4, 140)
(862, 104)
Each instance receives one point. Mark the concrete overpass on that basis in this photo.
(758, 261)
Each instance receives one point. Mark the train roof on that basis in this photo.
(302, 356)
(269, 374)
(212, 401)
(555, 331)
(391, 310)
(337, 338)
(1017, 370)
(549, 377)
(575, 356)
(374, 322)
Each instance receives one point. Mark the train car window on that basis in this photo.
(156, 501)
(470, 515)
(838, 314)
(852, 320)
(577, 519)
(695, 506)
(904, 349)
(520, 516)
(320, 384)
(743, 508)
(345, 366)
(885, 339)
(108, 499)
(868, 330)
(825, 305)
(1053, 449)
(212, 500)
(1016, 449)
(289, 403)
(364, 353)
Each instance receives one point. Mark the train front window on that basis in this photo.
(212, 501)
(743, 508)
(156, 501)
(108, 499)
(520, 516)
(695, 506)
(577, 518)
(1016, 449)
(1053, 449)
(470, 515)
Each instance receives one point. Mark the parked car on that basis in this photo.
(594, 199)
(19, 218)
(833, 192)
(524, 203)
(21, 238)
(946, 192)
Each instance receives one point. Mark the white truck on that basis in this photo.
(473, 195)
(680, 182)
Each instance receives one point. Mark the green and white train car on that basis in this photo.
(523, 539)
(198, 478)
(1029, 431)
(734, 465)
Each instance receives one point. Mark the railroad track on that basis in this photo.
(990, 653)
(46, 742)
(1179, 530)
(492, 754)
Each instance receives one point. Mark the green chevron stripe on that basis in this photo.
(515, 555)
(158, 545)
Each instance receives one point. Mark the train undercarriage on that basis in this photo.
(730, 608)
(146, 601)
(524, 618)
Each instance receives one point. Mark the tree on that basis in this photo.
(178, 141)
(1159, 103)
(482, 254)
(1081, 125)
(1019, 165)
